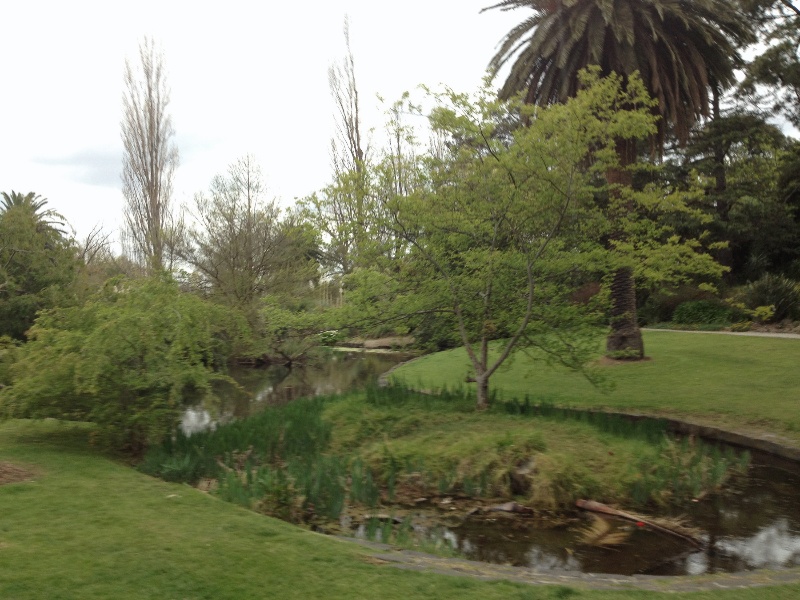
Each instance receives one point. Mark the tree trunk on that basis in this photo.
(724, 256)
(625, 338)
(482, 392)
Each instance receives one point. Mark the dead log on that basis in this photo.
(601, 508)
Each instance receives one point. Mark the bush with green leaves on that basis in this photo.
(8, 348)
(131, 359)
(780, 292)
(701, 312)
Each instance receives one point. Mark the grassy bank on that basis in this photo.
(746, 383)
(313, 459)
(89, 527)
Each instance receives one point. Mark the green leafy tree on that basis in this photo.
(241, 248)
(743, 158)
(773, 76)
(506, 228)
(682, 50)
(37, 261)
(131, 359)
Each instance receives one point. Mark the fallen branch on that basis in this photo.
(599, 507)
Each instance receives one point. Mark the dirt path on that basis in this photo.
(770, 334)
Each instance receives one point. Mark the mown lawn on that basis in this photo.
(746, 383)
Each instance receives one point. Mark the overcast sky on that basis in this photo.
(246, 77)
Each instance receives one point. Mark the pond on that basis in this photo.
(334, 372)
(754, 523)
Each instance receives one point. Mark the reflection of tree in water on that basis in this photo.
(331, 373)
(754, 524)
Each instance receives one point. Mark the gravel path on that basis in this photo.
(791, 336)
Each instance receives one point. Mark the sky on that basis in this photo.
(245, 78)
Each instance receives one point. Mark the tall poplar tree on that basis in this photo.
(149, 160)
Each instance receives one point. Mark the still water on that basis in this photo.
(333, 372)
(753, 524)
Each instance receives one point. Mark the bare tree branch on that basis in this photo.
(149, 161)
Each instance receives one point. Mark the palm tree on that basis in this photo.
(682, 49)
(33, 204)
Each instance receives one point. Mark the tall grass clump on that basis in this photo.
(399, 394)
(649, 429)
(280, 433)
(685, 469)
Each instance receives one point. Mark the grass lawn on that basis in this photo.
(751, 384)
(89, 527)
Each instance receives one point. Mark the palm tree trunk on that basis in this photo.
(625, 338)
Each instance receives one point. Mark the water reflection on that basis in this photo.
(775, 544)
(333, 372)
(755, 523)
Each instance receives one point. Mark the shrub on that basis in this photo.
(781, 293)
(131, 359)
(701, 312)
(659, 306)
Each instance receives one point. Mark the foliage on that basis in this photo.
(660, 40)
(37, 262)
(697, 312)
(777, 291)
(8, 348)
(131, 359)
(315, 457)
(32, 203)
(242, 248)
(773, 76)
(685, 469)
(511, 220)
(659, 305)
(751, 218)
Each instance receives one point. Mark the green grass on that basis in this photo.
(88, 527)
(311, 460)
(746, 383)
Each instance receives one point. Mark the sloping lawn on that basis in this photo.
(747, 383)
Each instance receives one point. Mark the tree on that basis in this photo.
(33, 204)
(37, 261)
(342, 210)
(777, 66)
(131, 359)
(681, 49)
(241, 249)
(149, 161)
(743, 157)
(506, 228)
